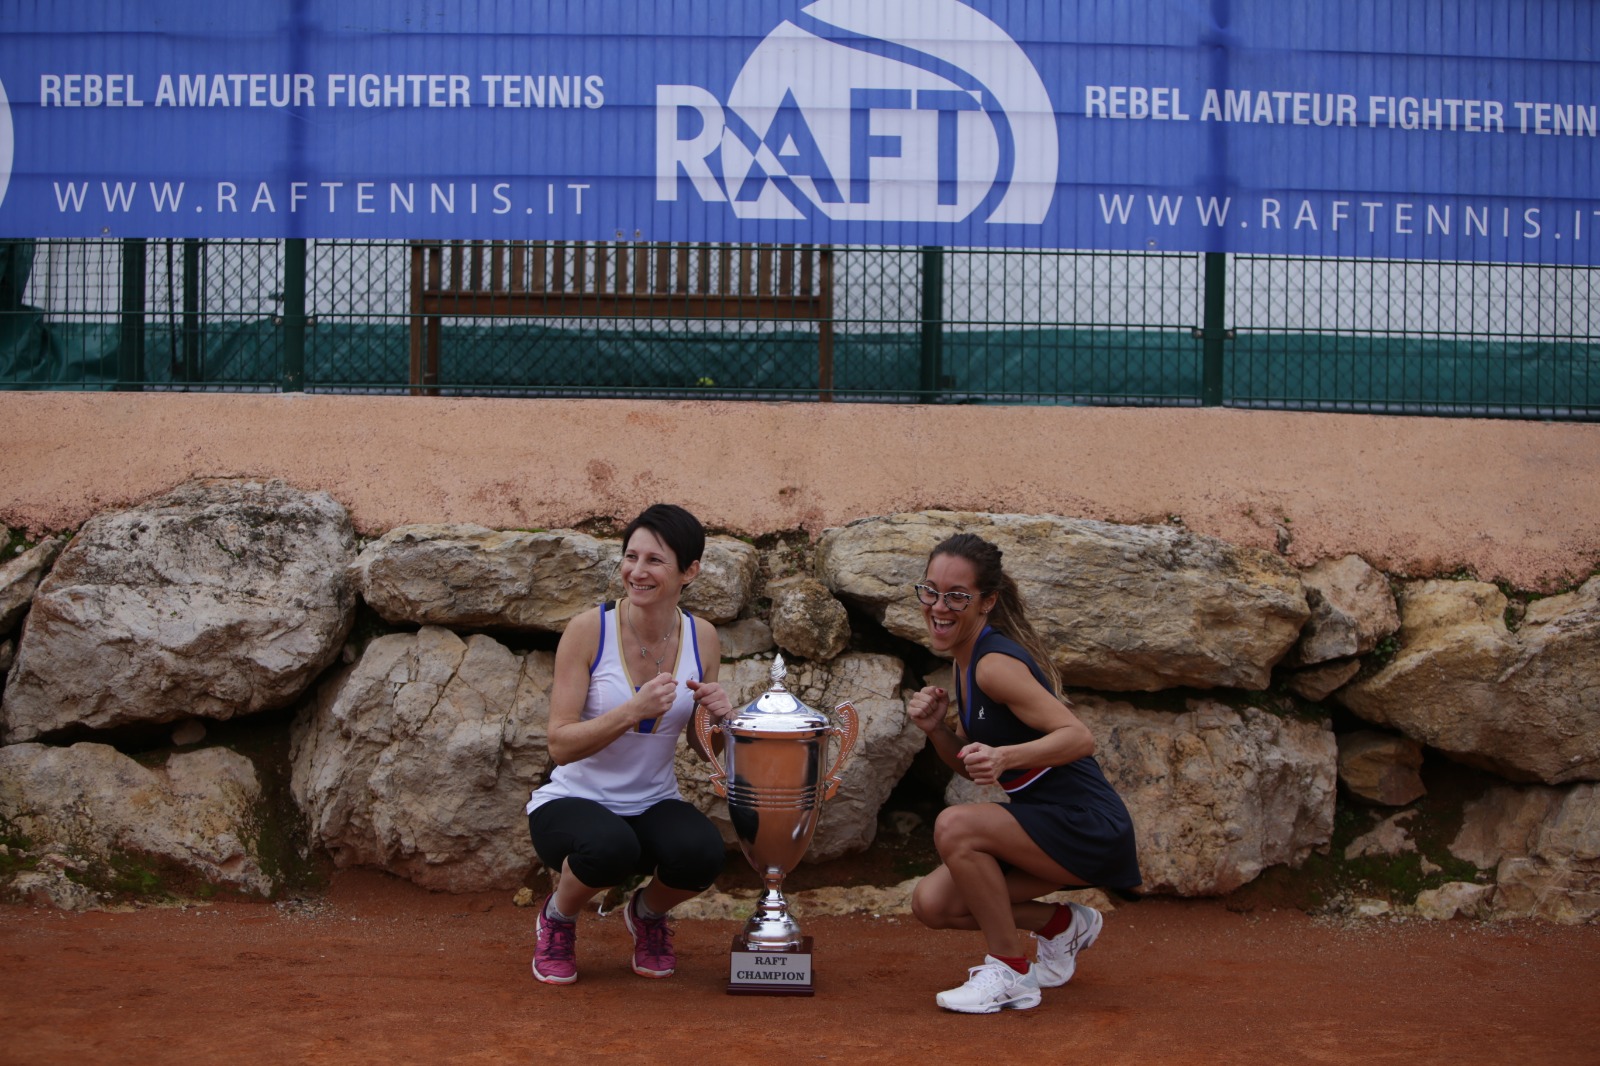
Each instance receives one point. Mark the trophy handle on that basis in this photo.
(703, 729)
(847, 740)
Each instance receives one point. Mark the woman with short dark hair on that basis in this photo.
(627, 678)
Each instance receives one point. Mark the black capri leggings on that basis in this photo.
(672, 840)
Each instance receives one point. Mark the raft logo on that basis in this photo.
(6, 143)
(894, 111)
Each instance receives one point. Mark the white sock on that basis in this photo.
(555, 915)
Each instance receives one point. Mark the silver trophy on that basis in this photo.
(771, 774)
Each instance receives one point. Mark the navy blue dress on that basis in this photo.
(1070, 811)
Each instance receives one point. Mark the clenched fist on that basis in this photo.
(927, 708)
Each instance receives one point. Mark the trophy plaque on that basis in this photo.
(771, 774)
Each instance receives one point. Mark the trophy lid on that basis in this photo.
(777, 710)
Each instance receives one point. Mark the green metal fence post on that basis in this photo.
(932, 322)
(190, 359)
(294, 315)
(1214, 333)
(130, 347)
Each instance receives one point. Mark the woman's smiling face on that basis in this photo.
(949, 629)
(650, 569)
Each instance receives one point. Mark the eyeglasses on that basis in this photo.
(954, 601)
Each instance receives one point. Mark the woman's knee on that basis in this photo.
(688, 848)
(595, 844)
(956, 828)
(934, 908)
(925, 912)
(695, 866)
(604, 858)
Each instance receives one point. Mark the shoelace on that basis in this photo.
(987, 978)
(656, 936)
(562, 939)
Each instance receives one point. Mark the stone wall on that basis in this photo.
(1260, 707)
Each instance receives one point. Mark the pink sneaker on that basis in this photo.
(652, 942)
(555, 959)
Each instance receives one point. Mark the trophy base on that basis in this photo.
(758, 971)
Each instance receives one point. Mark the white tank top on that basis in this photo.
(634, 772)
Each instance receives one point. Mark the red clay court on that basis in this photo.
(381, 971)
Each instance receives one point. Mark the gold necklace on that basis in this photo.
(644, 649)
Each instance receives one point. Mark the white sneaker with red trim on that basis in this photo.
(1057, 957)
(992, 986)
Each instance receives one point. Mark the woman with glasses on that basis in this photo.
(627, 678)
(1064, 827)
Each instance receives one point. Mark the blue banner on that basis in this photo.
(1429, 129)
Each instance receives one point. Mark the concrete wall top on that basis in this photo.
(1511, 500)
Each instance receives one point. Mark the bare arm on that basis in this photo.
(572, 738)
(1066, 739)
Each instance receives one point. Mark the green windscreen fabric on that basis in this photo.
(1289, 370)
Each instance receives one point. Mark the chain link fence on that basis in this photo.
(1414, 338)
(887, 324)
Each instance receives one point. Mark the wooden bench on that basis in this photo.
(528, 279)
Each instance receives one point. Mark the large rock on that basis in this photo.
(1523, 704)
(1317, 683)
(1544, 846)
(744, 638)
(1125, 607)
(806, 620)
(885, 744)
(474, 578)
(1381, 768)
(469, 577)
(20, 576)
(102, 811)
(1352, 610)
(1216, 794)
(727, 581)
(220, 599)
(420, 758)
